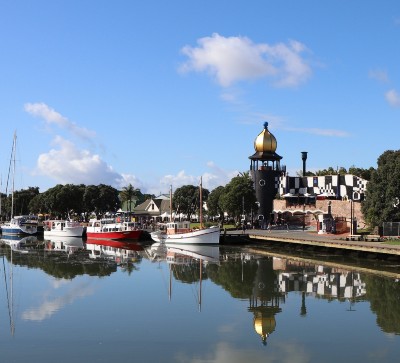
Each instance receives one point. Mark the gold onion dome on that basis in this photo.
(264, 326)
(265, 141)
(265, 146)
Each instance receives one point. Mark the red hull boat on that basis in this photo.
(115, 235)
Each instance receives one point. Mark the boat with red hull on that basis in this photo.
(109, 228)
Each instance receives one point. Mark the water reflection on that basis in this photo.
(246, 297)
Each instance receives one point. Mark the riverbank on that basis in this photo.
(297, 238)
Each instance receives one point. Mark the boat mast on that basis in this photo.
(170, 202)
(12, 169)
(201, 202)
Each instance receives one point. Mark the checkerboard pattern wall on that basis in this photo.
(348, 186)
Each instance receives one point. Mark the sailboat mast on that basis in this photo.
(200, 284)
(13, 173)
(170, 202)
(201, 202)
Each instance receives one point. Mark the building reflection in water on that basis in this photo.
(276, 277)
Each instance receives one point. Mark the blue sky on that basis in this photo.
(159, 93)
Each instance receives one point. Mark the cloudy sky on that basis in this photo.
(157, 93)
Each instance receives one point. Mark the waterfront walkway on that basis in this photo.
(313, 239)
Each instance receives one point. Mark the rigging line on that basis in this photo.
(8, 296)
(12, 156)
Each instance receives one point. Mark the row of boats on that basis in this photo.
(109, 228)
(114, 228)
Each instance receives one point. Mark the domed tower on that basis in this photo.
(265, 170)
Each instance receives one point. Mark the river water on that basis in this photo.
(68, 301)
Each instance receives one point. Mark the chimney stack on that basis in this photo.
(304, 158)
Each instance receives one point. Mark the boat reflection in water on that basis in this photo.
(69, 245)
(186, 262)
(20, 244)
(120, 252)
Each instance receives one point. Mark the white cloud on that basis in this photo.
(65, 163)
(210, 180)
(226, 353)
(50, 116)
(393, 98)
(379, 75)
(317, 131)
(48, 308)
(233, 59)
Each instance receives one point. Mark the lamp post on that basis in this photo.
(351, 216)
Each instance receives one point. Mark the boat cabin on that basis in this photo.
(178, 227)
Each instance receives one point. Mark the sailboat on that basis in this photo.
(180, 231)
(18, 225)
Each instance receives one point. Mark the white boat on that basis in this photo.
(63, 228)
(18, 225)
(180, 232)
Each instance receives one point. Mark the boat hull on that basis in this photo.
(18, 231)
(201, 236)
(115, 235)
(73, 232)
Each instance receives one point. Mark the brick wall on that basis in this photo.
(339, 208)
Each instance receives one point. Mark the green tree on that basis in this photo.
(107, 200)
(239, 195)
(214, 203)
(183, 200)
(186, 199)
(22, 199)
(383, 193)
(362, 173)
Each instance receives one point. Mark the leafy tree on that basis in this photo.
(107, 200)
(383, 193)
(90, 196)
(362, 173)
(22, 199)
(239, 194)
(214, 204)
(186, 199)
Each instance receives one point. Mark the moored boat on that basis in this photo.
(110, 228)
(180, 231)
(63, 228)
(20, 226)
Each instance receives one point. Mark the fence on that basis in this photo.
(391, 229)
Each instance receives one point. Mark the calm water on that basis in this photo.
(65, 301)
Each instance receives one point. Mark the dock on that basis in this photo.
(370, 245)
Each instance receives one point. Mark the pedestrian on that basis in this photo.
(244, 227)
(269, 228)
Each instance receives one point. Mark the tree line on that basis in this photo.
(381, 204)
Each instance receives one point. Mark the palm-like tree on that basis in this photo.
(129, 194)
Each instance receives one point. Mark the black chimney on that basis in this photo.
(304, 158)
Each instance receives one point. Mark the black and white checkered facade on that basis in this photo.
(347, 187)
